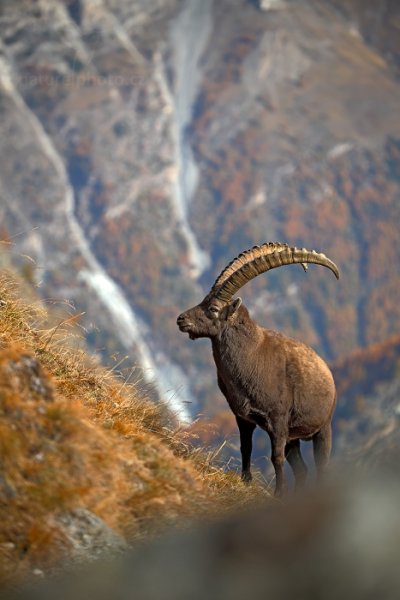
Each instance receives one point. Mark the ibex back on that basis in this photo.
(268, 379)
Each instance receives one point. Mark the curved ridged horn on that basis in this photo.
(245, 257)
(260, 259)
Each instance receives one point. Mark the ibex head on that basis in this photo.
(217, 310)
(208, 318)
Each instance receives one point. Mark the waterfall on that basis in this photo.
(189, 35)
(164, 376)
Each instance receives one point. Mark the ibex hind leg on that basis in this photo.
(278, 459)
(322, 444)
(295, 460)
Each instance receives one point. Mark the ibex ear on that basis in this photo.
(233, 306)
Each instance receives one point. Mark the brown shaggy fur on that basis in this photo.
(269, 380)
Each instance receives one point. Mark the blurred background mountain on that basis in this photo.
(145, 144)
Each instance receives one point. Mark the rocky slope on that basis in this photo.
(378, 23)
(88, 464)
(145, 144)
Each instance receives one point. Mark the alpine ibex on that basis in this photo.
(268, 379)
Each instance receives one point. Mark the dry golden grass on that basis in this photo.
(72, 434)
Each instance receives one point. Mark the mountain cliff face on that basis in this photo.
(145, 144)
(378, 23)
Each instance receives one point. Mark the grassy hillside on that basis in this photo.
(74, 437)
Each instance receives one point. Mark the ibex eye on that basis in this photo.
(213, 309)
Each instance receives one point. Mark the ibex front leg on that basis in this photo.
(246, 444)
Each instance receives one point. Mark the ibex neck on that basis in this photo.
(237, 338)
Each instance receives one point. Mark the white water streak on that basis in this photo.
(188, 37)
(119, 31)
(340, 149)
(163, 378)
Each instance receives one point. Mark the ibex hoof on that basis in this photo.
(246, 477)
